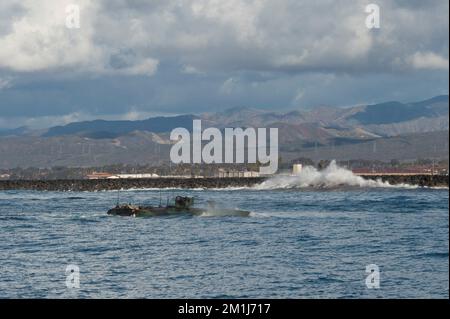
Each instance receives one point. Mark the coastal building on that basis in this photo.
(104, 175)
(251, 174)
(150, 175)
(413, 170)
(225, 174)
(297, 168)
(99, 175)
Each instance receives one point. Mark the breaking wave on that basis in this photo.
(330, 177)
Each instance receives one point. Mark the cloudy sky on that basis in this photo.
(132, 59)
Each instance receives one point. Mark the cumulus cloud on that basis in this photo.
(262, 35)
(128, 63)
(228, 86)
(192, 55)
(38, 39)
(189, 69)
(428, 60)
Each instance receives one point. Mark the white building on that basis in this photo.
(297, 168)
(223, 174)
(133, 176)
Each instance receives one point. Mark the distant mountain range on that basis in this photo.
(111, 129)
(398, 127)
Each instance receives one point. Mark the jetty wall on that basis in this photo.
(113, 184)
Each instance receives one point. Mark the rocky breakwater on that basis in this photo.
(113, 184)
(419, 180)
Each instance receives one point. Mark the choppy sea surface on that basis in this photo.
(297, 243)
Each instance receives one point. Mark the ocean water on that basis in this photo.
(297, 243)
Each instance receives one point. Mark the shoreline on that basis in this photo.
(191, 183)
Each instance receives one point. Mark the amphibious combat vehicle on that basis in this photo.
(182, 205)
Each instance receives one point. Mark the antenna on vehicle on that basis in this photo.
(160, 197)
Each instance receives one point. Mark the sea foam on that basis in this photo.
(330, 177)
